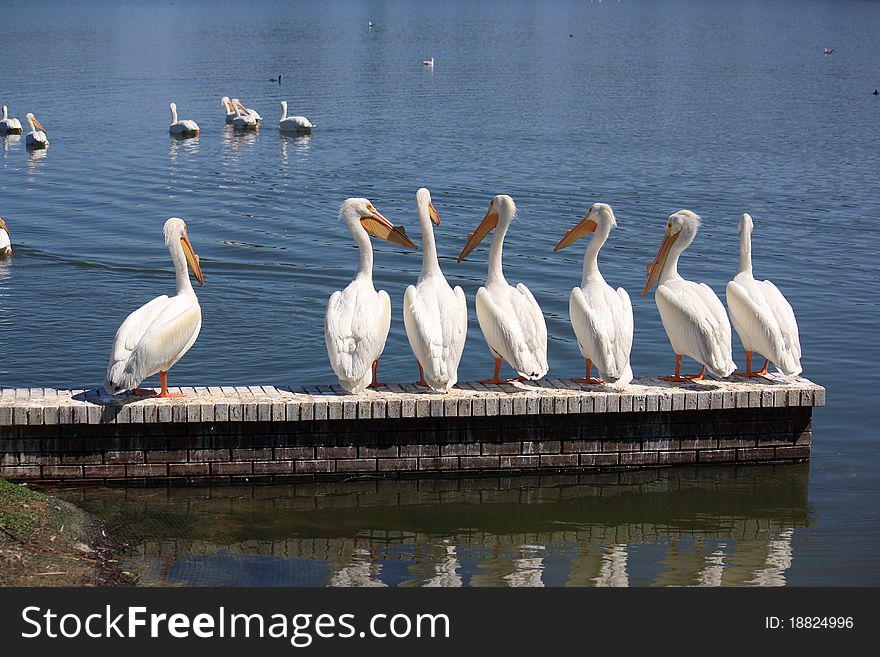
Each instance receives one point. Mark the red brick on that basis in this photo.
(336, 453)
(754, 454)
(460, 449)
(66, 471)
(262, 454)
(559, 460)
(208, 455)
(716, 455)
(188, 469)
(477, 462)
(399, 464)
(638, 458)
(660, 444)
(313, 466)
(794, 452)
(231, 467)
(377, 452)
(113, 458)
(621, 446)
(542, 447)
(528, 461)
(167, 456)
(579, 446)
(426, 451)
(598, 459)
(502, 449)
(294, 453)
(442, 463)
(80, 459)
(669, 458)
(274, 467)
(146, 470)
(356, 465)
(103, 471)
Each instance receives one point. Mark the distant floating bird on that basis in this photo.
(230, 109)
(278, 79)
(371, 25)
(435, 315)
(692, 314)
(183, 127)
(602, 317)
(428, 62)
(157, 335)
(9, 126)
(510, 318)
(876, 92)
(5, 238)
(762, 317)
(37, 137)
(358, 318)
(829, 51)
(293, 123)
(243, 119)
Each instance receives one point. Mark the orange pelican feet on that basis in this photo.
(375, 383)
(422, 381)
(495, 380)
(754, 375)
(588, 378)
(163, 377)
(679, 377)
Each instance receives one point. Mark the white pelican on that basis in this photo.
(37, 137)
(155, 336)
(358, 318)
(434, 314)
(601, 316)
(243, 119)
(9, 126)
(511, 320)
(692, 314)
(5, 241)
(762, 317)
(293, 123)
(428, 62)
(230, 110)
(247, 110)
(183, 127)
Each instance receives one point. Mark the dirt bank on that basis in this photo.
(45, 541)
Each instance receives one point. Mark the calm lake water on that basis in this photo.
(649, 106)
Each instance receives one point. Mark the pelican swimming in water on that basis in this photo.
(358, 318)
(601, 316)
(182, 127)
(692, 313)
(762, 317)
(155, 336)
(243, 119)
(434, 314)
(230, 109)
(428, 62)
(247, 110)
(9, 126)
(5, 239)
(510, 318)
(293, 123)
(37, 137)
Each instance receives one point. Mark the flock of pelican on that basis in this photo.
(358, 318)
(239, 116)
(35, 138)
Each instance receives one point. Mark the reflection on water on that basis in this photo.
(182, 145)
(238, 139)
(10, 141)
(294, 144)
(676, 527)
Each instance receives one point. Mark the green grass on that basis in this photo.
(21, 509)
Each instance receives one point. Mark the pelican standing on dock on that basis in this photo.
(434, 314)
(9, 126)
(5, 239)
(293, 123)
(182, 127)
(762, 317)
(358, 318)
(510, 318)
(692, 313)
(230, 110)
(37, 137)
(157, 335)
(601, 316)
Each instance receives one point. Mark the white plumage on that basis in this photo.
(5, 238)
(602, 317)
(358, 318)
(155, 336)
(37, 137)
(293, 123)
(247, 110)
(229, 108)
(510, 318)
(182, 127)
(243, 118)
(762, 317)
(692, 314)
(9, 126)
(434, 314)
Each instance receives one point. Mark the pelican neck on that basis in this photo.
(745, 251)
(591, 255)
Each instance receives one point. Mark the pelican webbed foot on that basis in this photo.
(375, 383)
(761, 373)
(588, 379)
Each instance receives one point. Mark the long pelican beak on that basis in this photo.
(659, 262)
(380, 227)
(432, 212)
(5, 227)
(39, 126)
(572, 235)
(192, 259)
(242, 107)
(487, 225)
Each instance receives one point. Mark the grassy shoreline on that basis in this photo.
(45, 541)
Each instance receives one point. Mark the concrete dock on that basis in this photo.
(266, 434)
